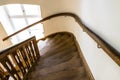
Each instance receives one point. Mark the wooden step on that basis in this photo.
(47, 62)
(62, 65)
(61, 41)
(61, 60)
(62, 38)
(65, 49)
(61, 75)
(58, 48)
(54, 38)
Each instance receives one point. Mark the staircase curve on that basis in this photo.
(109, 49)
(60, 60)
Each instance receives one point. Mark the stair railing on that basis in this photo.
(17, 60)
(112, 52)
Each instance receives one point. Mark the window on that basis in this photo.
(17, 16)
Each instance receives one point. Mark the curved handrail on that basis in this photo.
(112, 52)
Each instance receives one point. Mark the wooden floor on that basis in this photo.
(60, 60)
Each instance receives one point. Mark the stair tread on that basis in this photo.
(60, 75)
(55, 45)
(61, 60)
(62, 38)
(61, 51)
(55, 61)
(57, 48)
(49, 41)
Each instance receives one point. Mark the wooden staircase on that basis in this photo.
(58, 50)
(60, 60)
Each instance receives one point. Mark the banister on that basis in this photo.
(112, 52)
(17, 60)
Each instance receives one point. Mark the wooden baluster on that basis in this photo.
(10, 68)
(18, 62)
(3, 76)
(32, 51)
(29, 53)
(34, 43)
(25, 59)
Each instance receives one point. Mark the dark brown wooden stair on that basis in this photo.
(61, 60)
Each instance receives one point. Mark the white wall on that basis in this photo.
(95, 14)
(101, 65)
(103, 17)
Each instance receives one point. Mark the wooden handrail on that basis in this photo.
(112, 52)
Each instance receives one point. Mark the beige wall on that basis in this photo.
(3, 34)
(3, 2)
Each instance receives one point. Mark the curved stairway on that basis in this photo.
(60, 60)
